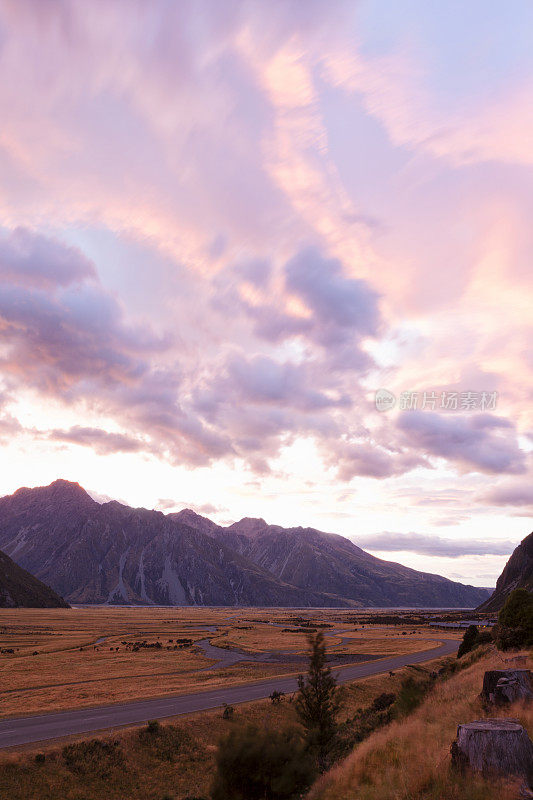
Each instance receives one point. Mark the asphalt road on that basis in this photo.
(23, 730)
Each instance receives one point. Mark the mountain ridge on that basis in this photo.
(292, 554)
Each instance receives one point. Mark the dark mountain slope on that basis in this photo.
(517, 574)
(20, 589)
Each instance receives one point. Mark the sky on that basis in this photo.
(224, 227)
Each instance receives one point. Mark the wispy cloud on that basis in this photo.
(510, 494)
(431, 545)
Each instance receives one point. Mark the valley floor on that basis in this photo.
(83, 657)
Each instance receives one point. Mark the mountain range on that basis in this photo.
(517, 574)
(92, 552)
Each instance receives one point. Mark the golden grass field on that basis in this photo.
(73, 667)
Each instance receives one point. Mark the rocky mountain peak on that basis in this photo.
(59, 491)
(248, 526)
(64, 487)
(188, 516)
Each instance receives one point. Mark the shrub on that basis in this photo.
(164, 742)
(365, 722)
(93, 758)
(153, 727)
(40, 758)
(383, 701)
(228, 712)
(485, 637)
(515, 621)
(472, 639)
(259, 764)
(469, 640)
(410, 696)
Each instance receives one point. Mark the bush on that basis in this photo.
(94, 758)
(164, 742)
(515, 621)
(153, 727)
(259, 764)
(410, 696)
(472, 639)
(469, 640)
(484, 637)
(383, 701)
(365, 722)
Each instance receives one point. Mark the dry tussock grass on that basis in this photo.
(410, 759)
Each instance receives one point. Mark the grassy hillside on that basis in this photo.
(410, 759)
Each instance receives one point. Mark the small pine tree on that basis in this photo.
(317, 703)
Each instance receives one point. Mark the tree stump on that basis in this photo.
(494, 747)
(501, 686)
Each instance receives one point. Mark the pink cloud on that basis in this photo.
(299, 212)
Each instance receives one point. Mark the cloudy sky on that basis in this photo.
(225, 225)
